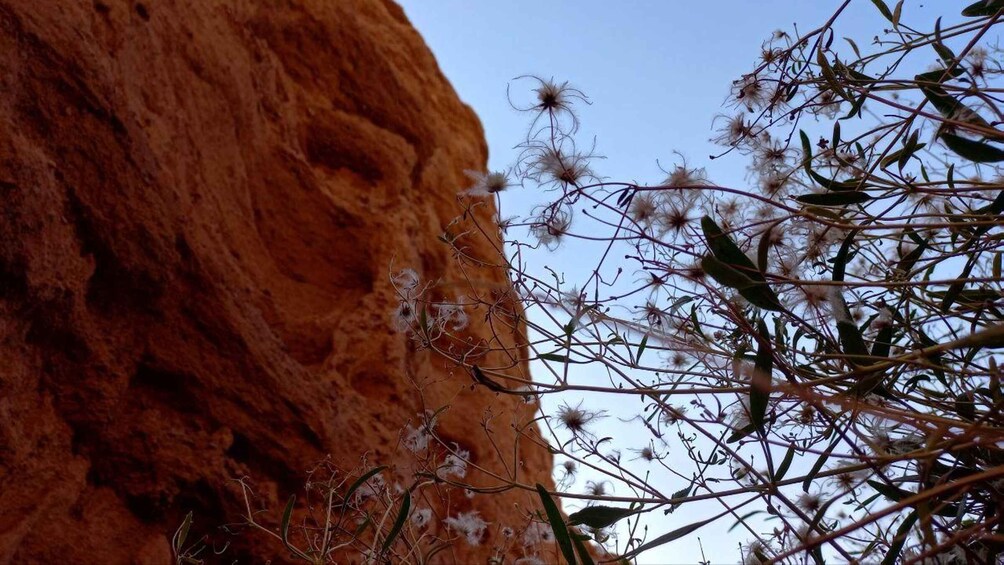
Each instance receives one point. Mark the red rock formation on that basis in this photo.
(200, 204)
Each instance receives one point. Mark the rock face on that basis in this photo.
(201, 206)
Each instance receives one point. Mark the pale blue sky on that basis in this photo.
(657, 72)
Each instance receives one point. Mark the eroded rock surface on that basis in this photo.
(200, 205)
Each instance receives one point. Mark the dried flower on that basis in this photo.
(576, 419)
(596, 488)
(486, 184)
(421, 517)
(454, 464)
(551, 227)
(404, 316)
(537, 533)
(405, 280)
(469, 524)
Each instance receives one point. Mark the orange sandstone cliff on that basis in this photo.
(200, 205)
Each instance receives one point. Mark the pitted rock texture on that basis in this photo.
(201, 204)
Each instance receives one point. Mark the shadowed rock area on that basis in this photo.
(200, 206)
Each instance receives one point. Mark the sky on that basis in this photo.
(656, 73)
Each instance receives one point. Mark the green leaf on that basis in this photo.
(884, 10)
(599, 516)
(902, 533)
(785, 464)
(883, 342)
(402, 515)
(557, 524)
(287, 514)
(666, 538)
(946, 54)
(891, 492)
(975, 151)
(553, 357)
(756, 292)
(897, 13)
(854, 46)
(819, 464)
(583, 551)
(906, 264)
(834, 198)
(725, 274)
(762, 296)
(834, 184)
(806, 152)
(740, 433)
(763, 248)
(983, 8)
(641, 349)
(725, 250)
(902, 156)
(852, 343)
(960, 283)
(840, 260)
(830, 76)
(182, 534)
(684, 492)
(362, 480)
(760, 382)
(742, 520)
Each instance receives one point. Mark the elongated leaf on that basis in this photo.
(852, 343)
(762, 296)
(840, 260)
(830, 76)
(906, 264)
(883, 342)
(731, 267)
(582, 550)
(641, 349)
(819, 465)
(726, 251)
(362, 480)
(946, 54)
(983, 8)
(806, 152)
(287, 515)
(557, 524)
(939, 76)
(742, 519)
(834, 198)
(740, 433)
(756, 292)
(725, 274)
(553, 357)
(760, 381)
(182, 534)
(960, 283)
(402, 516)
(785, 464)
(891, 492)
(763, 248)
(666, 538)
(599, 516)
(834, 184)
(975, 151)
(884, 10)
(902, 533)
